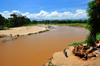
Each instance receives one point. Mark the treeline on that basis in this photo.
(58, 21)
(16, 20)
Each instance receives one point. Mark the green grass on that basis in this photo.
(35, 33)
(74, 24)
(51, 64)
(98, 36)
(30, 34)
(29, 25)
(43, 31)
(2, 29)
(77, 43)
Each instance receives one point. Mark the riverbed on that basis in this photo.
(35, 50)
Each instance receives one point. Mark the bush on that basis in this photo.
(43, 31)
(17, 35)
(2, 29)
(30, 34)
(35, 33)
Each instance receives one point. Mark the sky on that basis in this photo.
(45, 9)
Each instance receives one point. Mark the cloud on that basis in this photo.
(53, 15)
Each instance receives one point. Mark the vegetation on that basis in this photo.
(50, 64)
(77, 43)
(35, 33)
(30, 34)
(17, 35)
(93, 23)
(74, 24)
(29, 25)
(43, 31)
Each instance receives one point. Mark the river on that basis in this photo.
(35, 50)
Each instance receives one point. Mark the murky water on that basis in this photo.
(35, 50)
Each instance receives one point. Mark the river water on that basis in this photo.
(35, 50)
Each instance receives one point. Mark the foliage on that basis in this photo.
(43, 31)
(2, 29)
(29, 25)
(72, 24)
(17, 35)
(77, 43)
(35, 33)
(30, 34)
(93, 23)
(50, 64)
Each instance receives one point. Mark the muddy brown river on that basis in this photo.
(35, 50)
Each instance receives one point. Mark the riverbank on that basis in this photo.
(14, 33)
(59, 59)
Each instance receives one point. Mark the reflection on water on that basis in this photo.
(35, 50)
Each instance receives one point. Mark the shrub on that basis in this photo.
(35, 33)
(43, 31)
(2, 29)
(30, 34)
(17, 35)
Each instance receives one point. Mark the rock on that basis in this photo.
(80, 51)
(90, 55)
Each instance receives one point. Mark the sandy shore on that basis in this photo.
(22, 30)
(59, 59)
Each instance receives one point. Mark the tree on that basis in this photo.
(2, 20)
(93, 21)
(34, 22)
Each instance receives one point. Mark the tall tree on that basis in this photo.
(93, 21)
(2, 20)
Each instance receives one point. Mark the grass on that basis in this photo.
(30, 34)
(43, 31)
(74, 24)
(29, 25)
(35, 33)
(51, 64)
(77, 43)
(3, 29)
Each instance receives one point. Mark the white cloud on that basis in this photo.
(53, 15)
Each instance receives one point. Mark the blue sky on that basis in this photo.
(45, 9)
